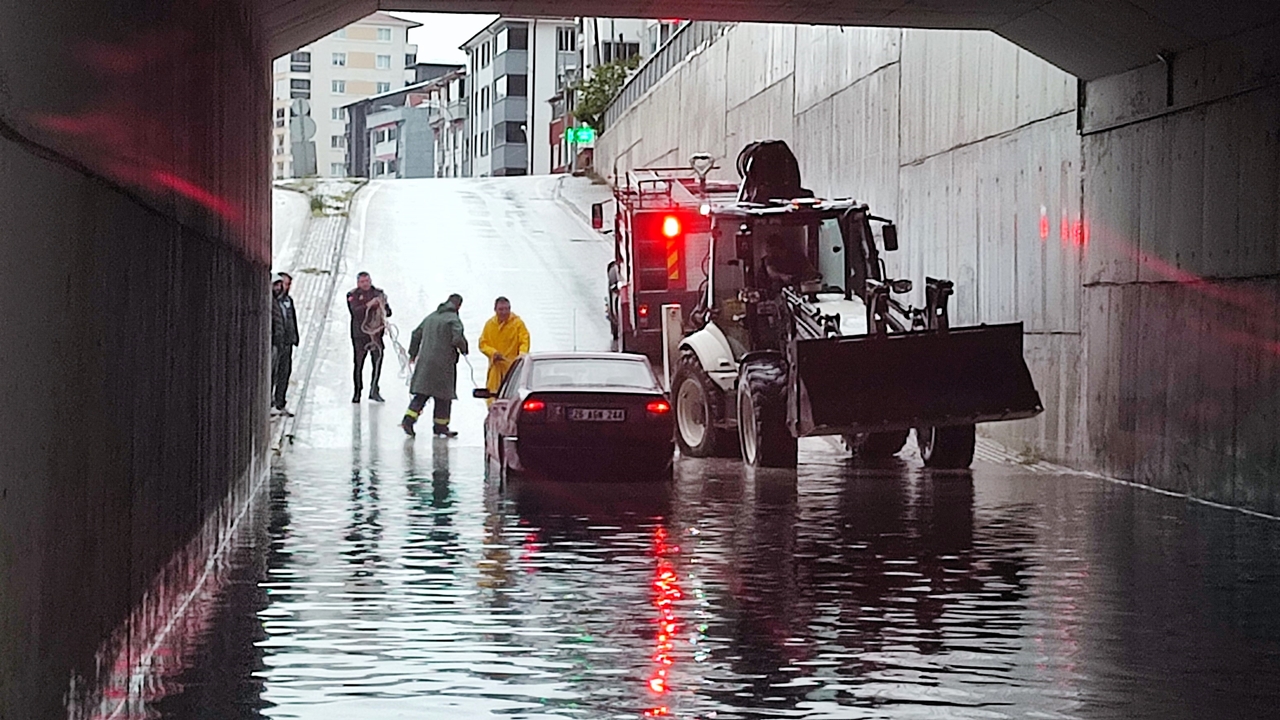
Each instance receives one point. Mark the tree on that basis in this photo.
(597, 92)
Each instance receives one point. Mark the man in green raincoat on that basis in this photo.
(434, 350)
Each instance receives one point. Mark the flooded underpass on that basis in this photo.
(384, 577)
(393, 580)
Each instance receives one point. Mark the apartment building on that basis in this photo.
(391, 135)
(600, 41)
(514, 66)
(449, 128)
(313, 85)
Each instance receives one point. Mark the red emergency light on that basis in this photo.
(643, 311)
(532, 405)
(659, 407)
(671, 226)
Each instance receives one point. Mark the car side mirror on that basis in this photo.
(890, 237)
(481, 394)
(597, 216)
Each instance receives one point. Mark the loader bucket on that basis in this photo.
(876, 383)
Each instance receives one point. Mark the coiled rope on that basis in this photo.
(375, 323)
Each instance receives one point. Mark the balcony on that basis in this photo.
(510, 109)
(511, 62)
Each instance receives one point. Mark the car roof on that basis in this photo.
(630, 357)
(608, 356)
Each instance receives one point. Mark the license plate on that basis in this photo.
(597, 415)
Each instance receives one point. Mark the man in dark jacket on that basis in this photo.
(369, 312)
(435, 347)
(284, 337)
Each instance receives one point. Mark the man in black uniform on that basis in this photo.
(284, 337)
(369, 311)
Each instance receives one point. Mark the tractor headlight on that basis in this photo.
(901, 287)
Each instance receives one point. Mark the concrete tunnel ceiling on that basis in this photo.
(1088, 38)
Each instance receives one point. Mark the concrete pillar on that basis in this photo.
(134, 230)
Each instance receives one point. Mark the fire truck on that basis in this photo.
(662, 238)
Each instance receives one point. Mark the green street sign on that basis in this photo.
(580, 135)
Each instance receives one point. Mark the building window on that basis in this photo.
(566, 39)
(513, 132)
(300, 62)
(299, 88)
(279, 117)
(484, 99)
(279, 170)
(338, 169)
(339, 114)
(511, 85)
(512, 37)
(486, 54)
(339, 87)
(383, 62)
(410, 60)
(337, 142)
(611, 51)
(384, 34)
(340, 59)
(384, 87)
(342, 33)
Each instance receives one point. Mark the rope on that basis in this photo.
(473, 371)
(375, 323)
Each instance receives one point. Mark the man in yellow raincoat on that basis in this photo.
(503, 339)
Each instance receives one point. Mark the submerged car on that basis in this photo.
(570, 415)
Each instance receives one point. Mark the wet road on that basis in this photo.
(386, 578)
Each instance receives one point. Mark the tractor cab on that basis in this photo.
(820, 252)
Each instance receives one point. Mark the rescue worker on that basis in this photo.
(437, 342)
(503, 339)
(369, 310)
(284, 337)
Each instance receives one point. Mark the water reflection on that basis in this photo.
(410, 585)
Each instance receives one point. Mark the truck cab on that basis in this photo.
(662, 237)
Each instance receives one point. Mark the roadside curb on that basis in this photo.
(330, 250)
(558, 194)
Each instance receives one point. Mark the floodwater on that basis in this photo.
(380, 577)
(393, 580)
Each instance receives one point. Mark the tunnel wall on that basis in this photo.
(1137, 239)
(969, 141)
(135, 232)
(1182, 284)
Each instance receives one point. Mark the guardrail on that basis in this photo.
(687, 40)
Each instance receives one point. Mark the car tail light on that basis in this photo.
(533, 406)
(659, 407)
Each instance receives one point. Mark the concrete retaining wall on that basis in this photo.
(1182, 284)
(135, 286)
(974, 145)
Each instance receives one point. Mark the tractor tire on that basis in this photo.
(699, 405)
(877, 446)
(947, 448)
(762, 415)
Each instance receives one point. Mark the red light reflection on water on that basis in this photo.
(666, 591)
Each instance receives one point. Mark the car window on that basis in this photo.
(592, 372)
(511, 384)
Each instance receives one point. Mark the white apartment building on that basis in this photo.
(515, 66)
(312, 84)
(450, 128)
